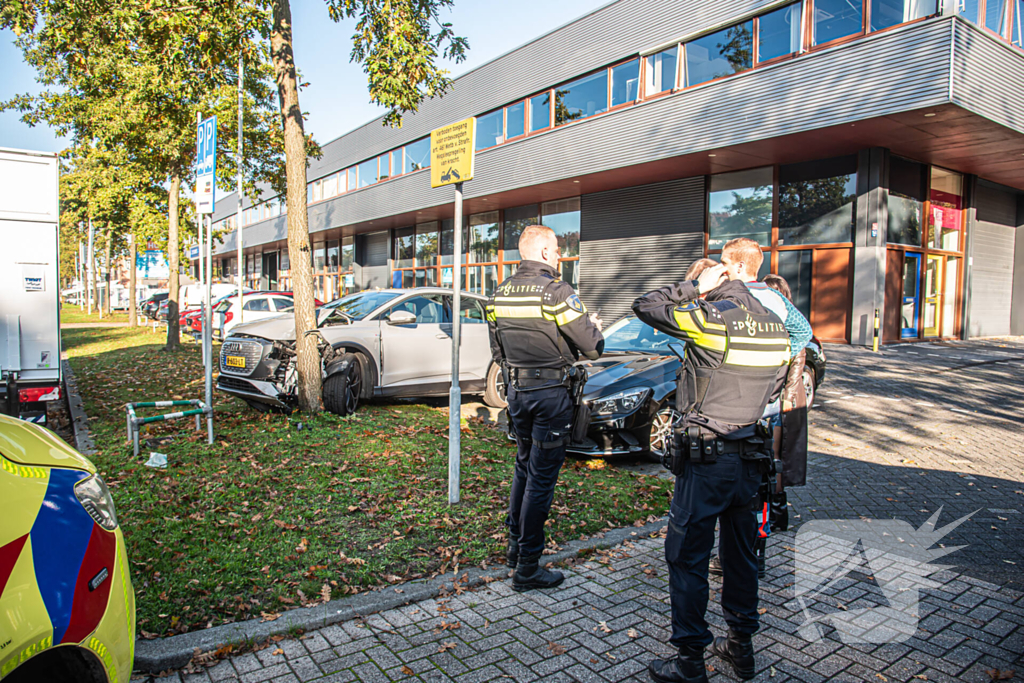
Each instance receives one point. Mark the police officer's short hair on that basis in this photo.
(532, 234)
(746, 251)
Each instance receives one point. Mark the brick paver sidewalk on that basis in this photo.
(895, 435)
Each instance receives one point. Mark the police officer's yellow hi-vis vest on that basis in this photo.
(733, 383)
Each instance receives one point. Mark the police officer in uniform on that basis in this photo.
(736, 357)
(538, 328)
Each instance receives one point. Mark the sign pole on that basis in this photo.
(207, 328)
(90, 276)
(238, 216)
(455, 398)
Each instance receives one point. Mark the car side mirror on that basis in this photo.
(401, 318)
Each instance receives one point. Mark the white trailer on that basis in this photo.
(29, 283)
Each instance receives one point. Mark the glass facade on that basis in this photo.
(481, 240)
(795, 267)
(720, 54)
(515, 120)
(383, 167)
(540, 111)
(367, 172)
(417, 155)
(778, 32)
(660, 71)
(945, 215)
(490, 129)
(907, 192)
(835, 19)
(886, 13)
(563, 217)
(516, 220)
(584, 97)
(818, 201)
(995, 15)
(396, 162)
(625, 82)
(740, 205)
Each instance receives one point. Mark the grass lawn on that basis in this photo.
(71, 313)
(272, 516)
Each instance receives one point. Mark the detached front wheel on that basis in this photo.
(343, 388)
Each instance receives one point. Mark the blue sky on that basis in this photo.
(336, 98)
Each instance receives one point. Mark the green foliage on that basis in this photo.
(397, 42)
(18, 15)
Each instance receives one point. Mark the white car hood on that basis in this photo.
(279, 328)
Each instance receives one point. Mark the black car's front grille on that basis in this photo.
(250, 352)
(228, 382)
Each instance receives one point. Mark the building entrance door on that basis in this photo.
(911, 295)
(932, 295)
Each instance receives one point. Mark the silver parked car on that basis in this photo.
(394, 342)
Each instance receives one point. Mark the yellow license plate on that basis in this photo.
(236, 361)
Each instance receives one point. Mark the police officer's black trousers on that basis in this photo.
(539, 417)
(725, 490)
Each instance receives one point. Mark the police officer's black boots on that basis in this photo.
(529, 574)
(512, 554)
(688, 667)
(738, 650)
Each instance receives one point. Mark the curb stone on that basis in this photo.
(79, 420)
(174, 652)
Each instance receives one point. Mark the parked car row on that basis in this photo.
(397, 342)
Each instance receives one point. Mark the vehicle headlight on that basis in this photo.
(624, 402)
(94, 496)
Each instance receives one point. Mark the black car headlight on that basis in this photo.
(94, 496)
(621, 403)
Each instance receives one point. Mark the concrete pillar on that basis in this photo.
(869, 244)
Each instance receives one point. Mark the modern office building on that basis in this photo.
(874, 148)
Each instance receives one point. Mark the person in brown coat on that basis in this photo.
(791, 445)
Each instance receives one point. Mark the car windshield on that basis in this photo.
(354, 306)
(632, 335)
(223, 306)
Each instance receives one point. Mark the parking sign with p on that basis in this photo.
(206, 164)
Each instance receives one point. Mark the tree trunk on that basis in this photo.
(299, 255)
(133, 318)
(106, 268)
(92, 271)
(173, 341)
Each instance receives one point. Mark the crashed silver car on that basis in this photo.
(385, 343)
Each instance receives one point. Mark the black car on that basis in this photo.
(151, 306)
(631, 391)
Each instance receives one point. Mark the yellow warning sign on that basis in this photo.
(451, 153)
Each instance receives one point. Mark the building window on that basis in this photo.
(482, 238)
(417, 155)
(778, 32)
(817, 201)
(945, 210)
(396, 161)
(886, 13)
(995, 16)
(490, 129)
(907, 191)
(587, 96)
(318, 190)
(284, 263)
(740, 205)
(332, 255)
(969, 9)
(795, 267)
(384, 170)
(405, 248)
(563, 217)
(660, 71)
(318, 257)
(1018, 25)
(353, 178)
(517, 219)
(515, 119)
(540, 111)
(835, 19)
(720, 54)
(348, 253)
(625, 82)
(367, 172)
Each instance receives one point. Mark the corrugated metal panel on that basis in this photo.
(606, 35)
(376, 249)
(996, 206)
(987, 76)
(636, 239)
(991, 279)
(887, 73)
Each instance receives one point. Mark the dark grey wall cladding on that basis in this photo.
(903, 69)
(636, 239)
(610, 33)
(988, 76)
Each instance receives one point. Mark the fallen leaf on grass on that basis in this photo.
(302, 547)
(269, 616)
(556, 648)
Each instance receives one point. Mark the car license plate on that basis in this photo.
(236, 362)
